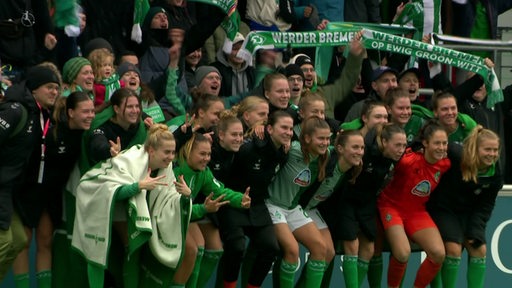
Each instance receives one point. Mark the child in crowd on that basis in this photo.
(106, 81)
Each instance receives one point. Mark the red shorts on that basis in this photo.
(412, 221)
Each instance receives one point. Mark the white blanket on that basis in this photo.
(160, 221)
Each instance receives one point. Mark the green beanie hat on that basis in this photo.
(72, 67)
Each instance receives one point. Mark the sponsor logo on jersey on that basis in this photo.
(421, 189)
(303, 178)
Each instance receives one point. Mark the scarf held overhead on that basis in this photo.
(372, 39)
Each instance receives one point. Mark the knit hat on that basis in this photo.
(126, 67)
(202, 71)
(40, 75)
(302, 59)
(149, 16)
(96, 43)
(377, 73)
(293, 69)
(72, 67)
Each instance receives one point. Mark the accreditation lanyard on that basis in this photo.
(44, 127)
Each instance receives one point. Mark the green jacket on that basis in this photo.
(204, 182)
(341, 88)
(466, 123)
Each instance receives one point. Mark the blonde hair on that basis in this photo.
(470, 160)
(97, 57)
(248, 104)
(187, 148)
(156, 134)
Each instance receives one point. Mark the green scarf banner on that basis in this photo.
(256, 40)
(391, 43)
(372, 39)
(323, 55)
(232, 22)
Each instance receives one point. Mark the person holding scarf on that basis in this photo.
(29, 100)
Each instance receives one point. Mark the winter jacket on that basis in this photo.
(15, 152)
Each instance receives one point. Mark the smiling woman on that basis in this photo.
(402, 206)
(78, 75)
(463, 203)
(72, 116)
(143, 177)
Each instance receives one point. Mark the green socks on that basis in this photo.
(350, 271)
(449, 271)
(375, 272)
(326, 281)
(174, 285)
(22, 280)
(362, 270)
(192, 280)
(314, 272)
(437, 282)
(44, 279)
(287, 272)
(476, 272)
(208, 264)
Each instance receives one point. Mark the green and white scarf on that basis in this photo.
(140, 9)
(111, 84)
(397, 44)
(231, 23)
(372, 39)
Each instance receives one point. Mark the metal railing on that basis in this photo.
(497, 47)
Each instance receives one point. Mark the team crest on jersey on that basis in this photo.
(437, 175)
(388, 217)
(257, 165)
(478, 191)
(303, 178)
(421, 189)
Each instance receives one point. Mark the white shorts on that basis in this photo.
(295, 218)
(315, 215)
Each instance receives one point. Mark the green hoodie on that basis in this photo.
(203, 181)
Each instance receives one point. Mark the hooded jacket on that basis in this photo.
(15, 152)
(234, 81)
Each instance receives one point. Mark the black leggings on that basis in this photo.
(263, 241)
